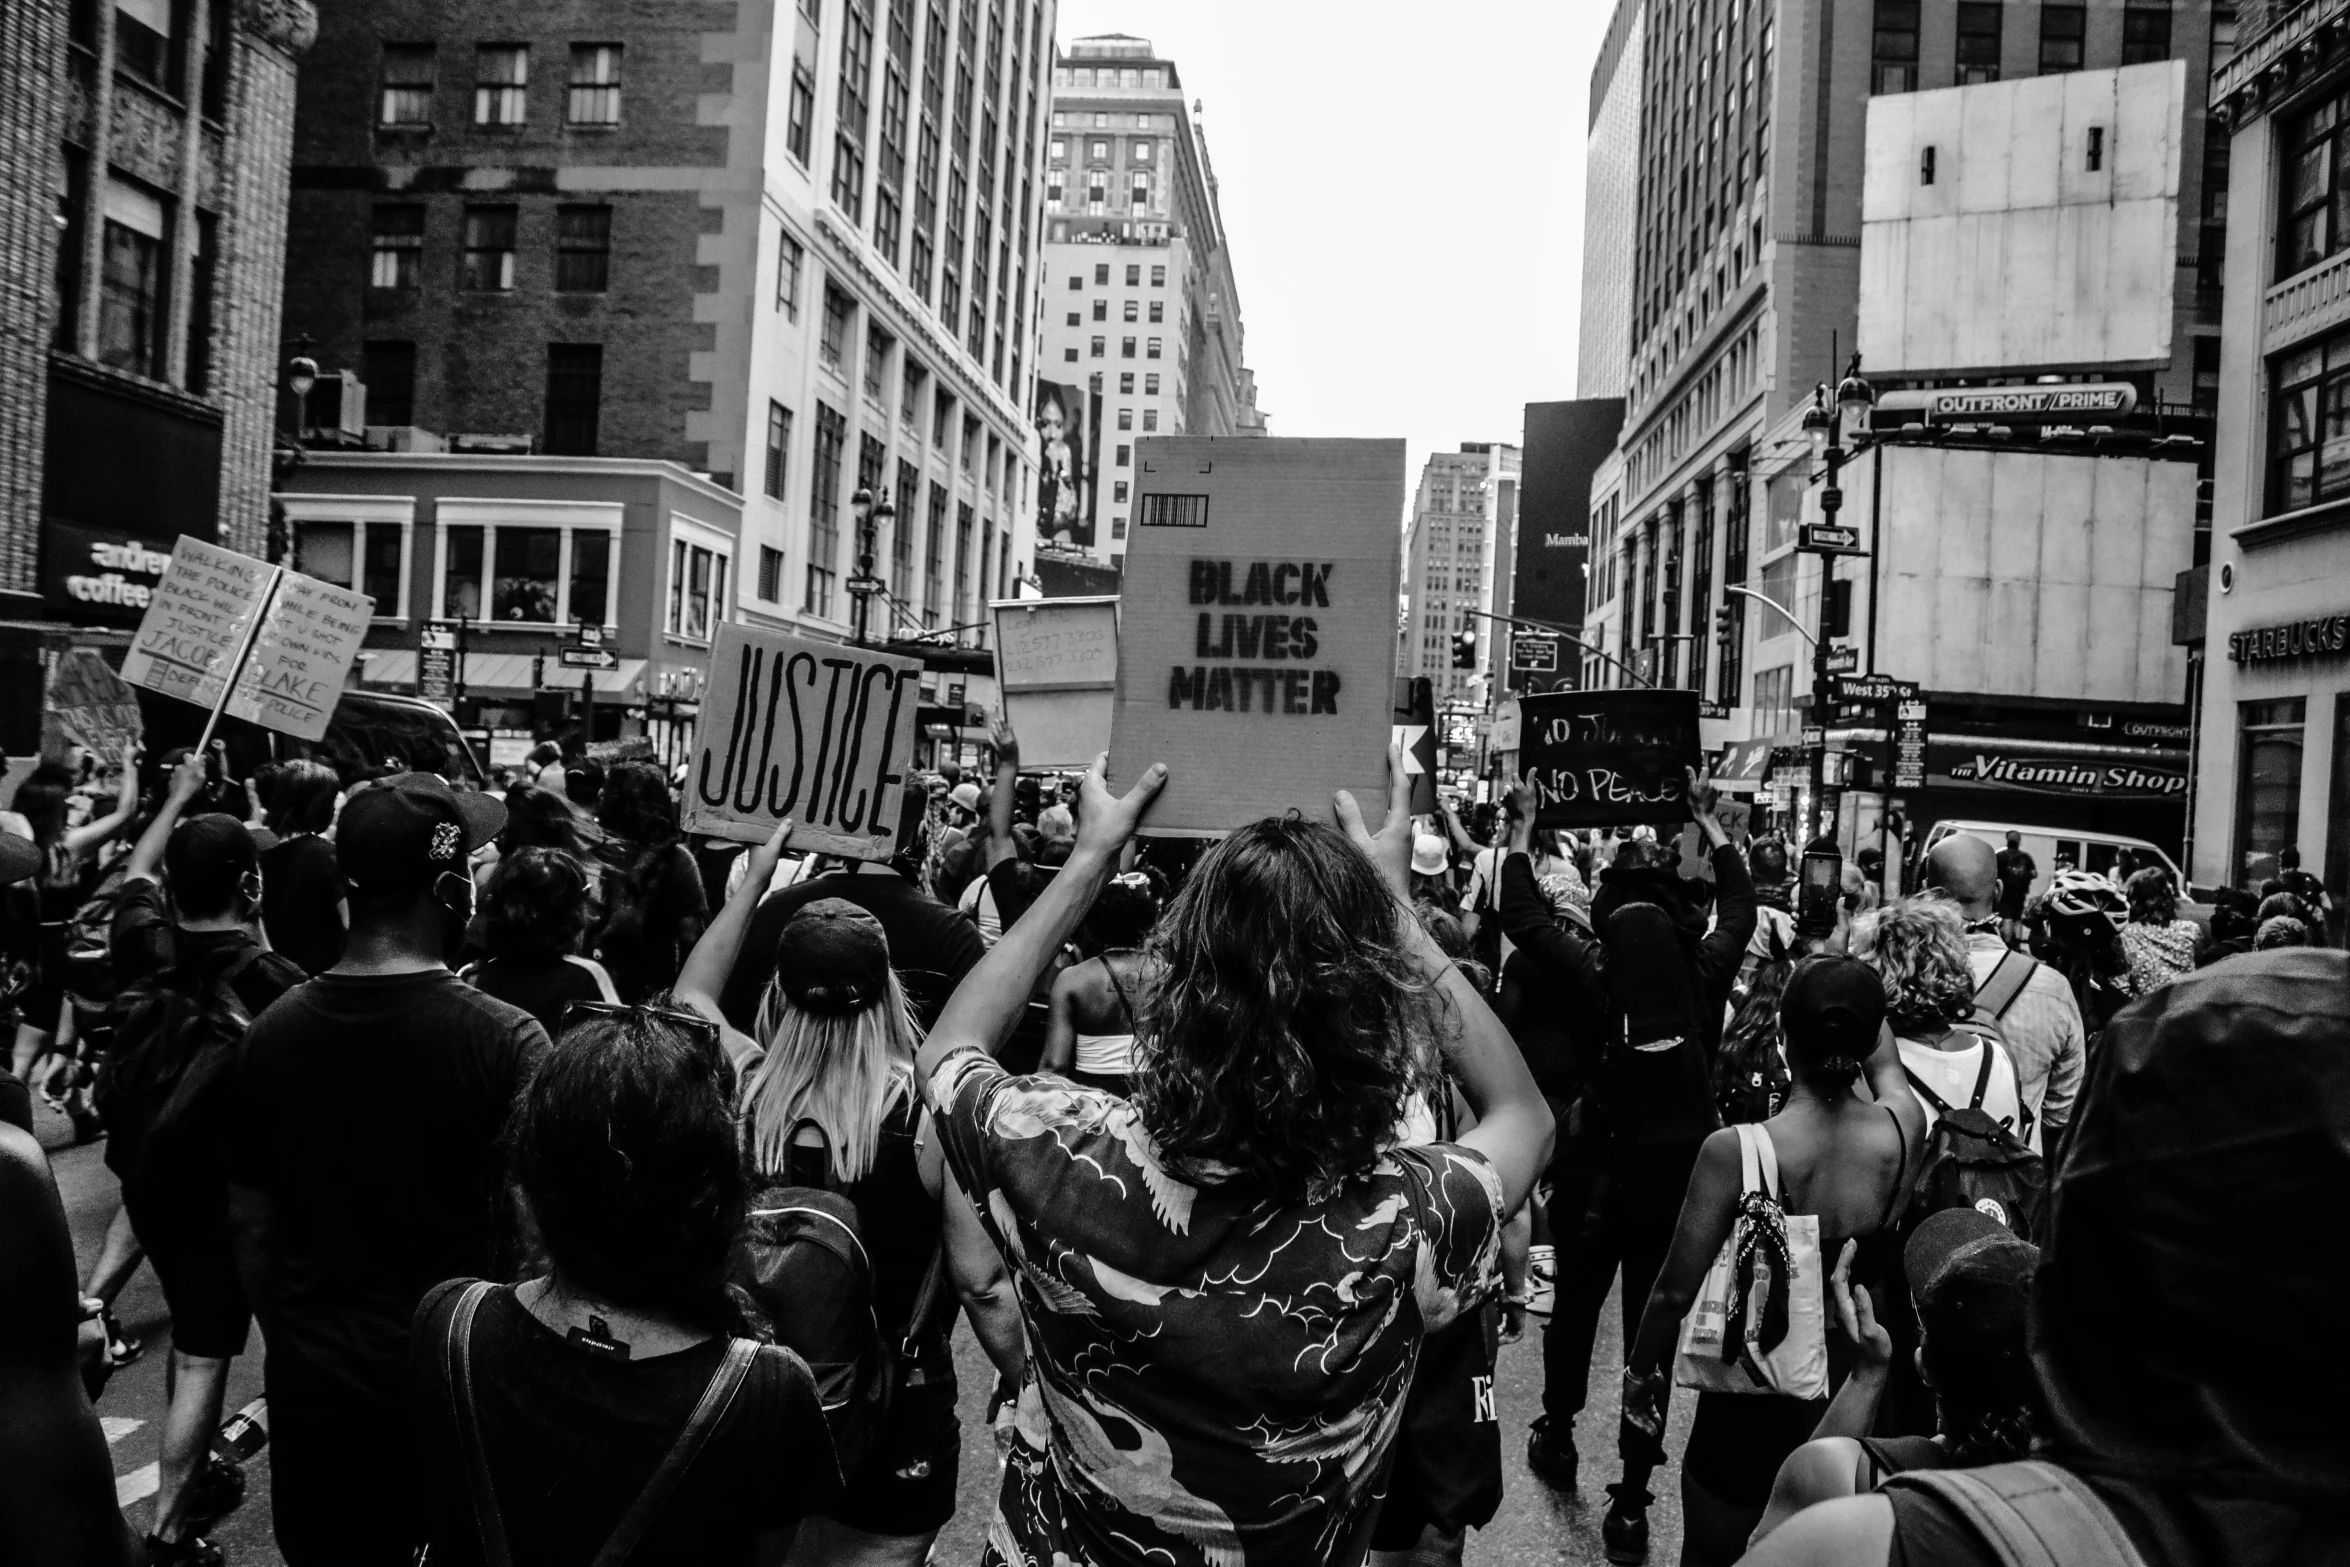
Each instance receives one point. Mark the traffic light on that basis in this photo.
(1464, 650)
(1726, 622)
(1839, 613)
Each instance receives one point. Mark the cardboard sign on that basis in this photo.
(819, 732)
(1056, 663)
(89, 705)
(287, 640)
(1257, 627)
(1602, 758)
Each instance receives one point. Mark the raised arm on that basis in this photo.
(990, 999)
(1526, 916)
(1513, 1121)
(706, 969)
(1007, 781)
(1459, 834)
(187, 781)
(126, 805)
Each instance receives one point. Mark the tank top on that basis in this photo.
(1108, 1055)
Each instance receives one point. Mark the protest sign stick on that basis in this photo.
(244, 654)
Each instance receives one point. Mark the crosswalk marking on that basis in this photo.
(138, 1485)
(117, 1427)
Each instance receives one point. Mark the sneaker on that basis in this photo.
(190, 1552)
(1625, 1529)
(1551, 1455)
(1541, 1279)
(217, 1490)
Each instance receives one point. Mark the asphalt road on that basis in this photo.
(1535, 1525)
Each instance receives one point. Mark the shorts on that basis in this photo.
(1446, 1473)
(907, 1485)
(196, 1266)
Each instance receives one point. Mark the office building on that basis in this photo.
(1567, 445)
(789, 247)
(1455, 576)
(1611, 189)
(1141, 325)
(2273, 732)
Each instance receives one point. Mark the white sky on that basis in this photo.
(1402, 187)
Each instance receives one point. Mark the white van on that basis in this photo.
(2098, 852)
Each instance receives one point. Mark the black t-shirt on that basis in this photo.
(2016, 870)
(543, 987)
(656, 911)
(930, 945)
(301, 902)
(368, 1109)
(571, 1436)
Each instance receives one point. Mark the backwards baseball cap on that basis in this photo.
(832, 957)
(1971, 1275)
(400, 834)
(207, 856)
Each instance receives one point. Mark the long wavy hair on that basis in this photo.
(538, 905)
(1919, 951)
(2154, 898)
(845, 1071)
(1281, 1029)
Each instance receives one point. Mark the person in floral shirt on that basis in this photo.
(1225, 1279)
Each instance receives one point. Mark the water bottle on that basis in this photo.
(244, 1433)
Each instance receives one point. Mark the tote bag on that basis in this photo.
(1760, 1323)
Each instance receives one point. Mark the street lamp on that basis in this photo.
(864, 584)
(1823, 427)
(298, 377)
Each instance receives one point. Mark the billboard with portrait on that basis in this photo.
(1067, 424)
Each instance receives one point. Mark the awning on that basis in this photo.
(1745, 766)
(503, 674)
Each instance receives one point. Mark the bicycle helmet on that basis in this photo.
(2085, 895)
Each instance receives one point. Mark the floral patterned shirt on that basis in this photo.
(1214, 1380)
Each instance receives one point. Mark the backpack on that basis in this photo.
(804, 1265)
(89, 948)
(177, 1034)
(1973, 1161)
(2029, 1514)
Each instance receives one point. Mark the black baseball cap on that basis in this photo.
(399, 834)
(832, 957)
(207, 855)
(1964, 1265)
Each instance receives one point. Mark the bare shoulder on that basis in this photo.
(1853, 1531)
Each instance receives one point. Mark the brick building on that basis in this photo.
(143, 156)
(788, 247)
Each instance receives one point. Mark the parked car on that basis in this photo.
(2104, 853)
(370, 730)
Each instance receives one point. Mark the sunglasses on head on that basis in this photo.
(701, 1029)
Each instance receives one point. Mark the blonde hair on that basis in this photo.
(1919, 949)
(844, 1071)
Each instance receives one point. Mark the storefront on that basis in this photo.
(2276, 744)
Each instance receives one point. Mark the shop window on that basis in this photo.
(2268, 785)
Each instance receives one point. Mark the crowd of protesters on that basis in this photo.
(605, 1195)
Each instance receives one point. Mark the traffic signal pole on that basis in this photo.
(1557, 630)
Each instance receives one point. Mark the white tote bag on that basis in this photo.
(1721, 1339)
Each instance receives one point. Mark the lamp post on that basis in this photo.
(864, 584)
(298, 377)
(1823, 426)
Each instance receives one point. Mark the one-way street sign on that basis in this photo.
(1823, 538)
(588, 658)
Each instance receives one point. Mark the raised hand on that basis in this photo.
(1106, 821)
(1390, 848)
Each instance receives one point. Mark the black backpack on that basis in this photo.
(804, 1265)
(177, 1035)
(1973, 1161)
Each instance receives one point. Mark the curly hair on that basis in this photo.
(623, 1148)
(537, 906)
(1919, 950)
(635, 805)
(2154, 898)
(542, 819)
(1282, 1031)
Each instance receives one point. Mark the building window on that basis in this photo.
(1099, 345)
(1126, 348)
(1101, 272)
(1158, 311)
(1118, 492)
(2337, 872)
(2061, 30)
(1125, 418)
(1076, 285)
(1101, 310)
(406, 95)
(133, 279)
(1158, 277)
(501, 84)
(778, 451)
(962, 605)
(1125, 456)
(488, 262)
(2145, 31)
(2268, 785)
(850, 112)
(365, 557)
(833, 345)
(770, 574)
(2206, 393)
(1979, 25)
(877, 350)
(1150, 419)
(2309, 425)
(144, 45)
(1150, 384)
(797, 127)
(697, 589)
(1133, 310)
(575, 394)
(832, 437)
(934, 543)
(910, 383)
(1893, 65)
(1152, 349)
(1069, 355)
(583, 249)
(2316, 199)
(1774, 701)
(397, 259)
(536, 575)
(942, 417)
(595, 85)
(788, 257)
(389, 371)
(901, 533)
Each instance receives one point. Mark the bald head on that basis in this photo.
(1964, 867)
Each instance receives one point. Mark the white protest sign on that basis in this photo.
(1257, 627)
(1057, 667)
(819, 732)
(280, 642)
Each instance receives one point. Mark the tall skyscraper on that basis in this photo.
(1141, 319)
(1456, 564)
(797, 253)
(1611, 183)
